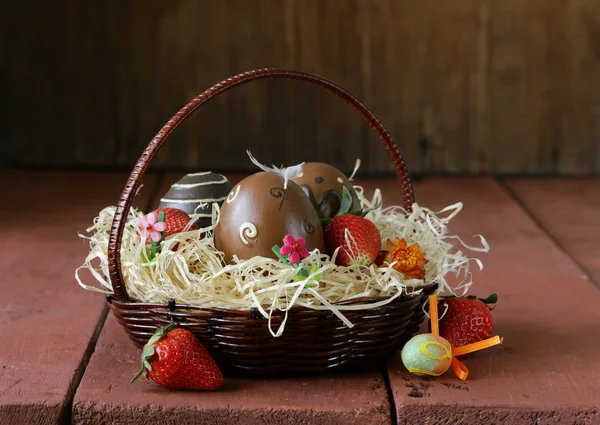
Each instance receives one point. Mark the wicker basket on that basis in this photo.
(240, 341)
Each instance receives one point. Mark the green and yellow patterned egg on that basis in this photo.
(427, 354)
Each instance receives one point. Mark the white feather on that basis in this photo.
(288, 173)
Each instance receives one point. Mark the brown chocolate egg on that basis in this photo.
(258, 213)
(323, 184)
(195, 193)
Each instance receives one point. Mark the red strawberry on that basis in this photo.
(365, 240)
(175, 221)
(467, 320)
(174, 358)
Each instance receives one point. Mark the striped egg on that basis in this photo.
(196, 192)
(427, 355)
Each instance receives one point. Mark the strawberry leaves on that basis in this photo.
(148, 350)
(346, 202)
(492, 299)
(345, 208)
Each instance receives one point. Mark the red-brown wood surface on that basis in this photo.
(47, 321)
(106, 396)
(548, 370)
(569, 209)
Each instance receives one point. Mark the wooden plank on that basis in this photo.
(579, 152)
(508, 86)
(106, 396)
(569, 210)
(467, 86)
(422, 76)
(548, 370)
(47, 322)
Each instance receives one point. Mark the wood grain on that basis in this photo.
(569, 210)
(468, 86)
(47, 322)
(106, 396)
(547, 371)
(581, 87)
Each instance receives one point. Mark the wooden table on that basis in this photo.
(62, 361)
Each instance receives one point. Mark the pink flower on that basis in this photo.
(151, 228)
(294, 248)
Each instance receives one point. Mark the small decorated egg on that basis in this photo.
(427, 354)
(195, 189)
(258, 213)
(323, 184)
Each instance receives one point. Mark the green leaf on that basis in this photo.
(346, 201)
(275, 250)
(154, 249)
(162, 216)
(364, 212)
(492, 299)
(145, 254)
(149, 351)
(137, 375)
(312, 270)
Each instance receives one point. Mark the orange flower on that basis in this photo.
(409, 259)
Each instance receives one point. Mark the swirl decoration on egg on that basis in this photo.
(232, 195)
(308, 226)
(247, 230)
(278, 192)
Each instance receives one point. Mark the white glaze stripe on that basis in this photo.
(232, 195)
(192, 201)
(202, 173)
(201, 183)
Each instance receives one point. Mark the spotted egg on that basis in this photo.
(258, 213)
(427, 355)
(323, 184)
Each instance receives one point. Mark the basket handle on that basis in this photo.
(118, 225)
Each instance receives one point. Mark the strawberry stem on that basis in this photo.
(162, 217)
(283, 259)
(492, 299)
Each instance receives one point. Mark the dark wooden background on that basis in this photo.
(497, 86)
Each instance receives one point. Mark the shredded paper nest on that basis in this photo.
(190, 270)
